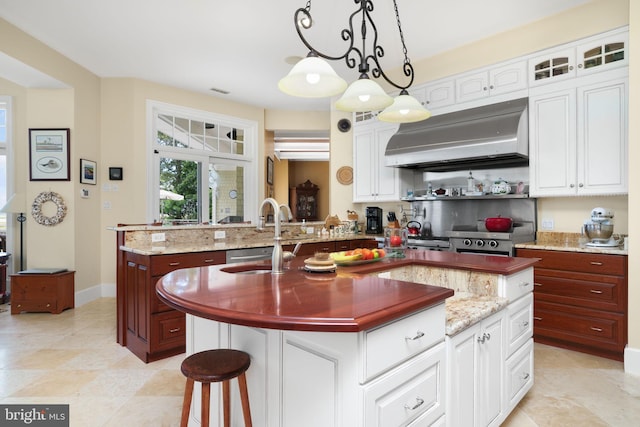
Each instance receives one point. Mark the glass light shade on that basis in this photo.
(312, 77)
(363, 95)
(405, 109)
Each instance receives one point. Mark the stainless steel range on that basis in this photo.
(457, 224)
(477, 240)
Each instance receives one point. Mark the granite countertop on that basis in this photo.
(466, 309)
(569, 242)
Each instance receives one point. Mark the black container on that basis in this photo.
(374, 220)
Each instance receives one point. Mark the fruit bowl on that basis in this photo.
(358, 256)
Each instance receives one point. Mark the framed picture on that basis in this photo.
(269, 170)
(115, 174)
(49, 155)
(88, 172)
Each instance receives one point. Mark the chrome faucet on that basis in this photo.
(277, 256)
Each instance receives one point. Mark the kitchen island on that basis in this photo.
(362, 346)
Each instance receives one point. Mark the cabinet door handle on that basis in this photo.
(537, 318)
(525, 284)
(174, 330)
(593, 328)
(595, 263)
(595, 291)
(571, 185)
(537, 284)
(581, 185)
(418, 335)
(524, 324)
(173, 264)
(485, 337)
(419, 402)
(525, 376)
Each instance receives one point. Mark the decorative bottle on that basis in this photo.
(471, 187)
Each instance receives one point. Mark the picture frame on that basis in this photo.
(269, 170)
(49, 154)
(88, 172)
(115, 174)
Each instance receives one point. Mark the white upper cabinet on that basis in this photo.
(372, 180)
(595, 54)
(493, 81)
(578, 137)
(439, 94)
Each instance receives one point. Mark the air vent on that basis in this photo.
(222, 91)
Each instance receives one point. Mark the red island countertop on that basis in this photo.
(348, 300)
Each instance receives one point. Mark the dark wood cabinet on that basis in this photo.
(152, 329)
(580, 301)
(304, 201)
(45, 292)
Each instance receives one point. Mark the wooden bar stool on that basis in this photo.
(212, 366)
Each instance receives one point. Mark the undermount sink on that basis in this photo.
(248, 269)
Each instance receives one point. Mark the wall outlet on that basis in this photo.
(157, 237)
(547, 224)
(219, 234)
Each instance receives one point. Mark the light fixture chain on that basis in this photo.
(404, 47)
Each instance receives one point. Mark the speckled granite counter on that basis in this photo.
(569, 242)
(466, 309)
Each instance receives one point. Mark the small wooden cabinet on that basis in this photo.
(304, 201)
(42, 292)
(580, 301)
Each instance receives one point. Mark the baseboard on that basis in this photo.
(632, 360)
(105, 290)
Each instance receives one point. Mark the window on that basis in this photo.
(203, 166)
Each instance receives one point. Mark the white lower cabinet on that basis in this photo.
(475, 373)
(342, 379)
(519, 379)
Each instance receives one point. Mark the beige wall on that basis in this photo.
(296, 120)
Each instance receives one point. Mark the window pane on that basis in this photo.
(178, 192)
(227, 193)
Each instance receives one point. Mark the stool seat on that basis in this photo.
(210, 366)
(213, 366)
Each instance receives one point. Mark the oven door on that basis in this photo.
(482, 252)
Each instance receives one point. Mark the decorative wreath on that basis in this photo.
(41, 199)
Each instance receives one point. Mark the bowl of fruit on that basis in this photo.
(358, 256)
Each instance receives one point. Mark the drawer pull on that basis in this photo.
(524, 324)
(174, 330)
(593, 328)
(173, 264)
(525, 376)
(537, 318)
(419, 403)
(419, 335)
(595, 263)
(524, 284)
(595, 291)
(48, 305)
(208, 261)
(537, 284)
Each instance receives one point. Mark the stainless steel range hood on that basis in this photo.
(485, 137)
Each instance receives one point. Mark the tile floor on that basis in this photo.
(72, 358)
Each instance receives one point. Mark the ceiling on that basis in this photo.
(243, 47)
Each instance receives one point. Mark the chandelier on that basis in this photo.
(313, 77)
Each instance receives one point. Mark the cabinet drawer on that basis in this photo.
(392, 343)
(519, 323)
(412, 391)
(167, 330)
(517, 285)
(583, 290)
(519, 375)
(579, 262)
(163, 264)
(601, 329)
(39, 304)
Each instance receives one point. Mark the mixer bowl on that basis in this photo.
(598, 232)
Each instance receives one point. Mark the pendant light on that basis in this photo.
(312, 77)
(405, 109)
(364, 94)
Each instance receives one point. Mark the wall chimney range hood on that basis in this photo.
(491, 136)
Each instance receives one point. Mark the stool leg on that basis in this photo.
(244, 396)
(206, 396)
(186, 402)
(226, 404)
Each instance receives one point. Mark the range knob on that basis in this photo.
(479, 243)
(466, 242)
(493, 244)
